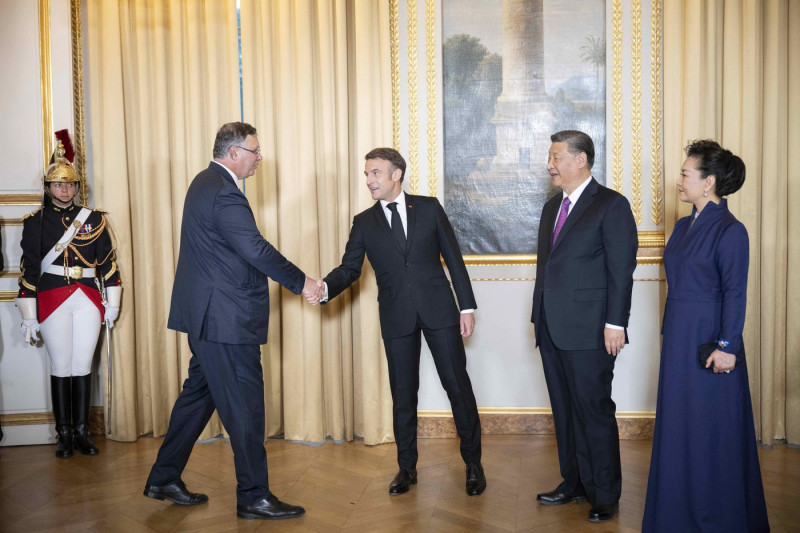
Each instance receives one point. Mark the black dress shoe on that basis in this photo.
(402, 481)
(269, 508)
(603, 513)
(476, 480)
(556, 497)
(176, 493)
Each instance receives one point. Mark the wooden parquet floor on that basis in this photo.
(342, 486)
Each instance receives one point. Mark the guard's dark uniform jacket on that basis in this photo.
(92, 247)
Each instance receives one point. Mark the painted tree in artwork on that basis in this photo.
(593, 52)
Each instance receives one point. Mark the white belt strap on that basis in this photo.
(65, 239)
(76, 272)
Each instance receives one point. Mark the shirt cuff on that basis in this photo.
(325, 298)
(612, 326)
(464, 311)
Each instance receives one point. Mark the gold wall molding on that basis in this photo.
(616, 95)
(636, 110)
(656, 112)
(77, 98)
(20, 199)
(633, 425)
(7, 296)
(96, 419)
(11, 222)
(413, 99)
(394, 49)
(651, 239)
(45, 69)
(10, 273)
(430, 94)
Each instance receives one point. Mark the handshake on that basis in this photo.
(314, 290)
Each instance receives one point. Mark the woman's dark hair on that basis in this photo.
(714, 160)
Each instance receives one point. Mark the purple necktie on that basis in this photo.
(562, 217)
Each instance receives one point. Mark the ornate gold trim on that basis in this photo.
(10, 274)
(636, 110)
(41, 417)
(20, 199)
(651, 239)
(517, 260)
(430, 92)
(437, 413)
(649, 260)
(656, 111)
(394, 48)
(616, 94)
(45, 68)
(7, 296)
(11, 222)
(77, 98)
(413, 99)
(502, 279)
(500, 260)
(27, 419)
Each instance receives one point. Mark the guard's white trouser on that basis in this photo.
(70, 336)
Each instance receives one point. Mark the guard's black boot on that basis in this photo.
(81, 394)
(60, 392)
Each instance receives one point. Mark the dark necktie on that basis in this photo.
(562, 217)
(397, 226)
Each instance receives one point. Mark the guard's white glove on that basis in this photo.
(111, 315)
(113, 298)
(30, 329)
(30, 322)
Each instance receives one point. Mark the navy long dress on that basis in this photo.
(704, 471)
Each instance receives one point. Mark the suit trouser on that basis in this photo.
(579, 385)
(227, 377)
(447, 348)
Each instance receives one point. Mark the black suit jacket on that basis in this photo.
(585, 279)
(409, 282)
(221, 292)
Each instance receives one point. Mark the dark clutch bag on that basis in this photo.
(705, 351)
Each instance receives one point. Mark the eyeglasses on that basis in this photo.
(257, 151)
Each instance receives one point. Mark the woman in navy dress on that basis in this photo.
(704, 471)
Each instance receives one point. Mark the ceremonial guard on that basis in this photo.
(69, 285)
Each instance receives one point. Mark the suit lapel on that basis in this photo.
(586, 198)
(411, 220)
(549, 221)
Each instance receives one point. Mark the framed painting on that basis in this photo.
(514, 72)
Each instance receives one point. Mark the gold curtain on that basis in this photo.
(163, 76)
(732, 72)
(316, 85)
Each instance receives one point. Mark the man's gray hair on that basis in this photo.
(231, 134)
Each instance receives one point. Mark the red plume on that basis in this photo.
(69, 151)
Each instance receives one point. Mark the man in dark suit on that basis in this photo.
(405, 238)
(221, 299)
(581, 304)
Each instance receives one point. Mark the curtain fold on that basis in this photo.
(315, 85)
(163, 76)
(732, 68)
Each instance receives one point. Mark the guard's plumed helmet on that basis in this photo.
(61, 170)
